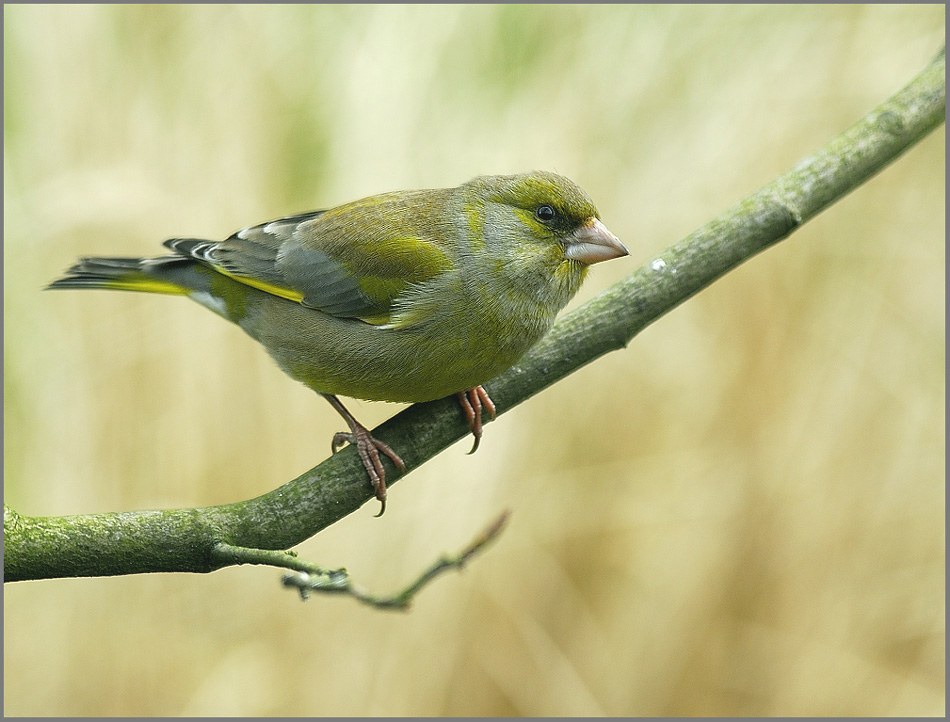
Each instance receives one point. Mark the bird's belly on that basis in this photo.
(418, 363)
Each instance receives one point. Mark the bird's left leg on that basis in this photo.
(368, 447)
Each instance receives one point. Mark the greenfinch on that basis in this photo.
(407, 296)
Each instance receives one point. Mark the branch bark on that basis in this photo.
(190, 540)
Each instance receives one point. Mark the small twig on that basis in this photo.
(229, 554)
(306, 579)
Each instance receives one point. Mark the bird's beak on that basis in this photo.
(593, 243)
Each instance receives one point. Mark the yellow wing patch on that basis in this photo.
(270, 288)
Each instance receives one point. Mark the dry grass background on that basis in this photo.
(741, 513)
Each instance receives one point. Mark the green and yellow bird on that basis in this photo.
(407, 296)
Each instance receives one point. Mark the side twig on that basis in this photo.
(308, 578)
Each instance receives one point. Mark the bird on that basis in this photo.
(405, 296)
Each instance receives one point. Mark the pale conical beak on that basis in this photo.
(593, 243)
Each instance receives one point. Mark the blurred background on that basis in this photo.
(742, 513)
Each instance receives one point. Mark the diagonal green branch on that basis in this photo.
(187, 539)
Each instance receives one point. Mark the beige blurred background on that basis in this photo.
(740, 514)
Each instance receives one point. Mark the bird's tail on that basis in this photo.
(177, 273)
(124, 274)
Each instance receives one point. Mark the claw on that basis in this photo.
(472, 402)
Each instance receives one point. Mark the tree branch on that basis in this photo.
(202, 540)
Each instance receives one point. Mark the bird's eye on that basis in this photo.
(545, 213)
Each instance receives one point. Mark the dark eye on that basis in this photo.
(545, 213)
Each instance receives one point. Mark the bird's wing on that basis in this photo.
(323, 260)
